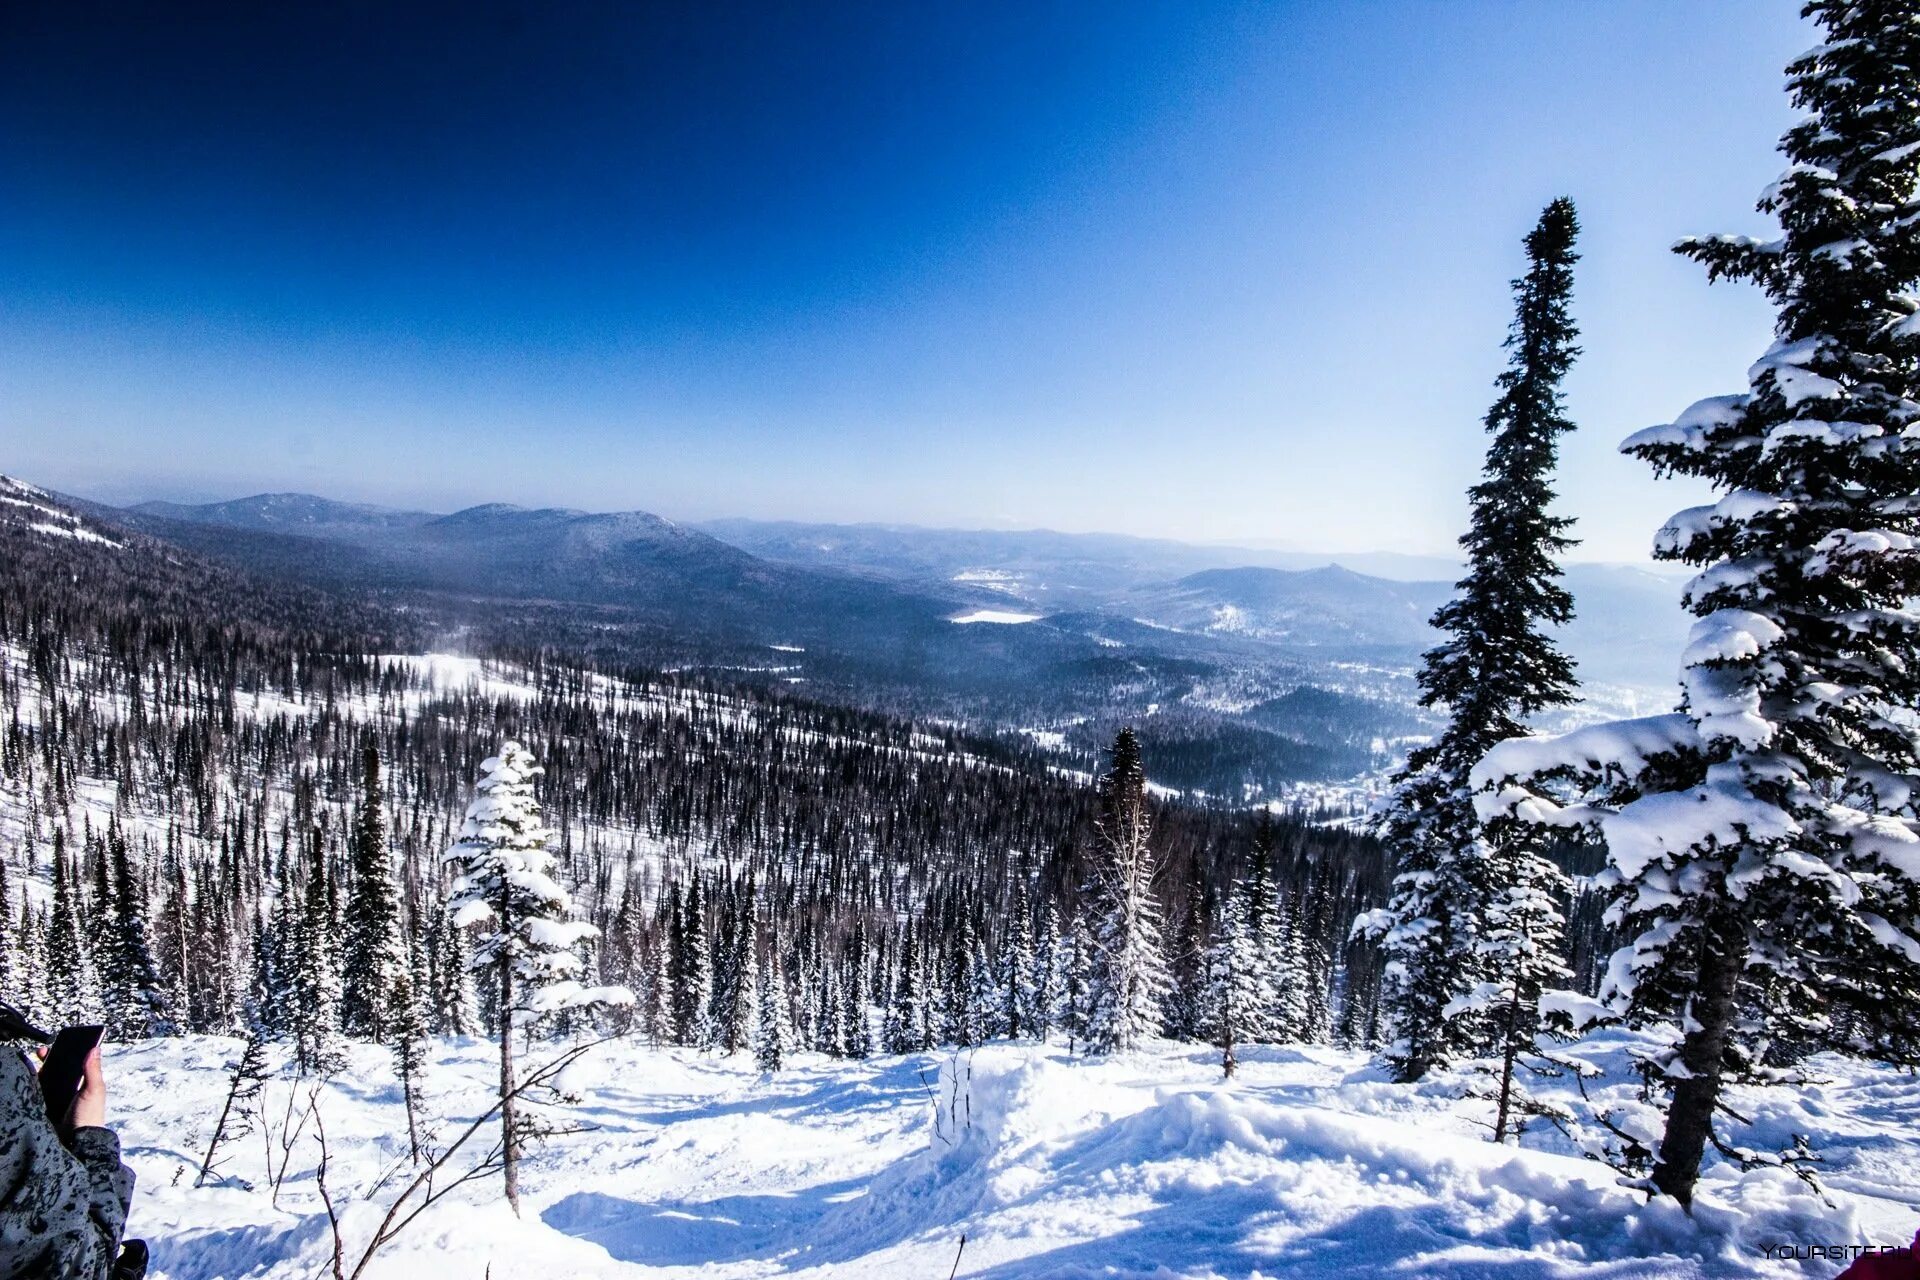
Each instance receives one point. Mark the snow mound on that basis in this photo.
(1058, 1162)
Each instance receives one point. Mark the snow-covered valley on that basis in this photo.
(1307, 1164)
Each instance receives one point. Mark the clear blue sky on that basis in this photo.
(1211, 271)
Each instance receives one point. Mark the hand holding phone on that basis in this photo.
(71, 1084)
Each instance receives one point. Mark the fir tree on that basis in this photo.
(453, 1009)
(1015, 967)
(960, 1013)
(691, 973)
(31, 958)
(374, 955)
(526, 948)
(1285, 976)
(1521, 947)
(856, 1027)
(1038, 985)
(311, 984)
(1076, 977)
(1763, 848)
(905, 1028)
(133, 992)
(1128, 980)
(771, 1036)
(1496, 668)
(718, 1014)
(406, 1028)
(742, 1007)
(1235, 982)
(72, 989)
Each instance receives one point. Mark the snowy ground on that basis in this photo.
(1308, 1165)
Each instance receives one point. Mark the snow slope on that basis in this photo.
(1308, 1165)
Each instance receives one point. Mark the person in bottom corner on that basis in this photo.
(1889, 1264)
(62, 1208)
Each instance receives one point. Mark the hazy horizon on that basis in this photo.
(1334, 553)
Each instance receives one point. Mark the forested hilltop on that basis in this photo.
(204, 772)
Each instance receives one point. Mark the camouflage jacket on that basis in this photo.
(61, 1211)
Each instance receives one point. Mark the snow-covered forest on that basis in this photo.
(475, 953)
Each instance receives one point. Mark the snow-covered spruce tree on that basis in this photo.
(373, 956)
(31, 979)
(73, 993)
(747, 981)
(1075, 954)
(1265, 940)
(1763, 844)
(1016, 1015)
(730, 1008)
(1291, 978)
(526, 944)
(771, 1035)
(1236, 982)
(311, 982)
(1038, 988)
(405, 1025)
(856, 1022)
(690, 966)
(1520, 948)
(452, 1009)
(135, 995)
(905, 1030)
(1128, 974)
(722, 995)
(959, 1014)
(1496, 668)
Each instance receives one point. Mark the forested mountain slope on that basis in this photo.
(184, 744)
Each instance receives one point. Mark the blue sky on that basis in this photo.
(1209, 271)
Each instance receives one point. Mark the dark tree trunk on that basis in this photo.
(509, 1128)
(1510, 1051)
(1702, 1053)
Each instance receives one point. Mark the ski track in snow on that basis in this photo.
(1310, 1164)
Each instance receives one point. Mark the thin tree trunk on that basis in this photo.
(1690, 1118)
(509, 1130)
(1510, 1051)
(413, 1129)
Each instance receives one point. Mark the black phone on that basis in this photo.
(63, 1070)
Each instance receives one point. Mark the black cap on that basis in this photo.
(14, 1026)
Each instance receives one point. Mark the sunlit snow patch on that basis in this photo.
(996, 615)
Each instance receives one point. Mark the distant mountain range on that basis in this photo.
(1246, 669)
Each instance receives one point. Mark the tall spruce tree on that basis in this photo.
(1763, 845)
(905, 1029)
(135, 995)
(452, 1007)
(374, 956)
(1496, 668)
(312, 981)
(73, 994)
(1236, 981)
(527, 941)
(771, 1035)
(406, 1031)
(1128, 979)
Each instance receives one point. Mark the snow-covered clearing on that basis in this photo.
(1309, 1164)
(1003, 617)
